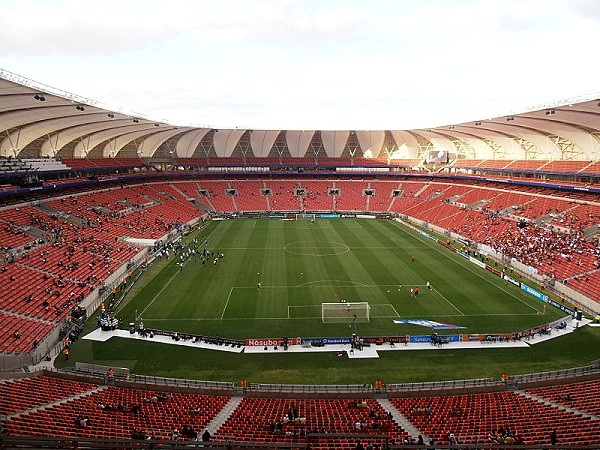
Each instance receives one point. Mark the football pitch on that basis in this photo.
(302, 264)
(274, 275)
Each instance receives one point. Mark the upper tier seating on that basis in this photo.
(283, 197)
(351, 196)
(249, 197)
(565, 166)
(31, 165)
(482, 163)
(592, 168)
(218, 196)
(317, 196)
(525, 164)
(189, 188)
(382, 199)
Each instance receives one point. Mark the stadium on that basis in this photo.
(299, 287)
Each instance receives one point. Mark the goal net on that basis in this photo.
(345, 312)
(305, 217)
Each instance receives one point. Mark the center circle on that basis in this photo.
(316, 248)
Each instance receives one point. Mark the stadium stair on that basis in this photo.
(420, 191)
(203, 205)
(59, 401)
(224, 414)
(557, 405)
(267, 199)
(391, 205)
(232, 197)
(179, 191)
(401, 420)
(205, 200)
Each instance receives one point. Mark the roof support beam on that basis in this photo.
(568, 149)
(498, 151)
(529, 150)
(464, 149)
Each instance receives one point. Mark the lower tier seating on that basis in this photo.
(50, 406)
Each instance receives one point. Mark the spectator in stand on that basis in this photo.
(553, 437)
(137, 435)
(110, 376)
(452, 439)
(189, 432)
(82, 421)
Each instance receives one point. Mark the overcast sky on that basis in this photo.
(302, 64)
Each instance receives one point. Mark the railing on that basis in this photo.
(367, 389)
(593, 368)
(22, 442)
(101, 370)
(180, 382)
(12, 442)
(314, 388)
(442, 385)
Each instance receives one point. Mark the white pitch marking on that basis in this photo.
(226, 303)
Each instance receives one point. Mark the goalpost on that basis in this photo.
(346, 312)
(310, 217)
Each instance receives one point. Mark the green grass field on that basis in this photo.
(302, 264)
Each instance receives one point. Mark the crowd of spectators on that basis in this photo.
(504, 436)
(546, 248)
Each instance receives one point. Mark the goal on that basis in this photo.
(345, 312)
(310, 217)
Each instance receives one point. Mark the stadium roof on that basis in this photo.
(37, 120)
